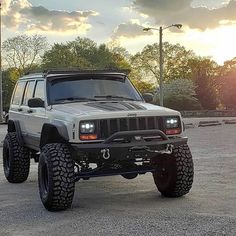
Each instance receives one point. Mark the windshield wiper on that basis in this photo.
(111, 96)
(74, 99)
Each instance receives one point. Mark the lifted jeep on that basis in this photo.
(84, 124)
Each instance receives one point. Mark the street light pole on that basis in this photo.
(161, 66)
(1, 103)
(161, 60)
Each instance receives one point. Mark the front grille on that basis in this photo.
(110, 126)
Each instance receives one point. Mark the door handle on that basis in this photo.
(30, 111)
(20, 109)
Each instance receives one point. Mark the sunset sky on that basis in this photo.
(209, 27)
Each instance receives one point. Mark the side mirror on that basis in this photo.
(148, 97)
(36, 102)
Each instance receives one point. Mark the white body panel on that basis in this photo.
(71, 113)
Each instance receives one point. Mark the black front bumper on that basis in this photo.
(129, 145)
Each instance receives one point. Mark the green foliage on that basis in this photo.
(228, 91)
(9, 78)
(147, 62)
(204, 74)
(205, 84)
(141, 84)
(176, 60)
(228, 67)
(227, 84)
(180, 95)
(83, 53)
(179, 87)
(61, 56)
(121, 57)
(182, 103)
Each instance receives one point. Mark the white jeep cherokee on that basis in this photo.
(80, 125)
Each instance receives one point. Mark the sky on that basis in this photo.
(209, 26)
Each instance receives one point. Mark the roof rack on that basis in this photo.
(45, 73)
(35, 72)
(65, 71)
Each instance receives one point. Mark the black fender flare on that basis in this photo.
(55, 132)
(14, 126)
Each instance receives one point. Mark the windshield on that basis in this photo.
(91, 89)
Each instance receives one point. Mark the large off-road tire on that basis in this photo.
(56, 177)
(16, 159)
(174, 172)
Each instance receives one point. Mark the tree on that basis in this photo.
(228, 67)
(83, 53)
(176, 60)
(9, 78)
(143, 86)
(121, 57)
(228, 91)
(103, 58)
(227, 81)
(62, 56)
(204, 75)
(139, 83)
(180, 95)
(23, 52)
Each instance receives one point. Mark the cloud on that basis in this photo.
(21, 14)
(167, 12)
(130, 29)
(11, 13)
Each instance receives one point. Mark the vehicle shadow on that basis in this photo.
(122, 195)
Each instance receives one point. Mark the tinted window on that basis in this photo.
(28, 92)
(39, 90)
(18, 93)
(90, 88)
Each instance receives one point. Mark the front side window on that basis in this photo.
(17, 98)
(28, 92)
(86, 89)
(39, 90)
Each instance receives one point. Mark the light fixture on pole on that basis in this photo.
(179, 26)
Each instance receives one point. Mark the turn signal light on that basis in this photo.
(88, 137)
(173, 131)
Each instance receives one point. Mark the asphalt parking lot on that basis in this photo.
(115, 206)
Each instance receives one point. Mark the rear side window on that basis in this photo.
(39, 90)
(17, 98)
(29, 90)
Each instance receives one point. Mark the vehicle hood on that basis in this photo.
(119, 108)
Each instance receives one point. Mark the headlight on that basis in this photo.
(172, 123)
(87, 127)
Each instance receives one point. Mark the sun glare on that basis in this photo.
(217, 43)
(226, 44)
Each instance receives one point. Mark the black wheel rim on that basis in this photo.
(163, 174)
(44, 178)
(6, 159)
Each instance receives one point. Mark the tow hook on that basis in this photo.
(168, 150)
(105, 153)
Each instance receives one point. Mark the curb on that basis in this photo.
(189, 126)
(204, 123)
(229, 122)
(209, 123)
